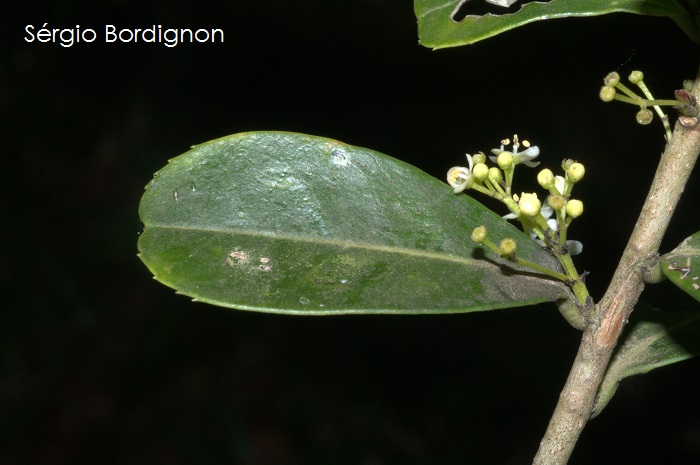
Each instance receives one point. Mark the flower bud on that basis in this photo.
(556, 202)
(607, 93)
(481, 171)
(574, 208)
(478, 158)
(479, 234)
(505, 160)
(636, 77)
(546, 178)
(566, 163)
(495, 174)
(508, 247)
(644, 116)
(688, 84)
(612, 79)
(575, 172)
(529, 204)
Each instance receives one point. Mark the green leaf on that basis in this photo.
(682, 266)
(289, 223)
(437, 30)
(652, 339)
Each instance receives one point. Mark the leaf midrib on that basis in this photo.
(334, 242)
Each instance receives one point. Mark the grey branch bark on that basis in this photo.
(577, 399)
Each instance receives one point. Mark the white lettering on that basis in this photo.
(110, 35)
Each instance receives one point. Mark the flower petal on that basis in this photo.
(575, 247)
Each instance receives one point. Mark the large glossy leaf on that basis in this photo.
(682, 266)
(289, 223)
(436, 29)
(652, 339)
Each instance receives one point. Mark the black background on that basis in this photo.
(101, 364)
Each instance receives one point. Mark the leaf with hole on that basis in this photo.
(451, 23)
(290, 223)
(682, 266)
(652, 339)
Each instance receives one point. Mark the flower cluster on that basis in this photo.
(613, 89)
(546, 221)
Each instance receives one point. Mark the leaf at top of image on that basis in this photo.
(451, 23)
(290, 223)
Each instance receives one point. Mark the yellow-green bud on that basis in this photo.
(566, 163)
(508, 247)
(575, 172)
(612, 79)
(607, 93)
(478, 158)
(546, 178)
(480, 171)
(556, 202)
(505, 160)
(529, 204)
(574, 208)
(645, 116)
(495, 174)
(688, 84)
(479, 234)
(636, 77)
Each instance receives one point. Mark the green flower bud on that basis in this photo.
(508, 247)
(479, 234)
(688, 84)
(612, 79)
(636, 77)
(575, 172)
(574, 208)
(529, 204)
(546, 178)
(566, 163)
(481, 171)
(505, 160)
(645, 116)
(478, 158)
(607, 93)
(556, 202)
(495, 174)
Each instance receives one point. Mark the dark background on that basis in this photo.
(102, 364)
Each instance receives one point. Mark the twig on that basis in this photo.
(577, 399)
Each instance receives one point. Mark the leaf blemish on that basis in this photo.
(264, 264)
(339, 157)
(473, 9)
(237, 257)
(684, 270)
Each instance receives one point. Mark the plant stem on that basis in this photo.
(577, 399)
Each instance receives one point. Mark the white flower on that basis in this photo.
(525, 157)
(460, 177)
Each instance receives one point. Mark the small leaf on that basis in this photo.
(436, 29)
(652, 339)
(289, 223)
(682, 266)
